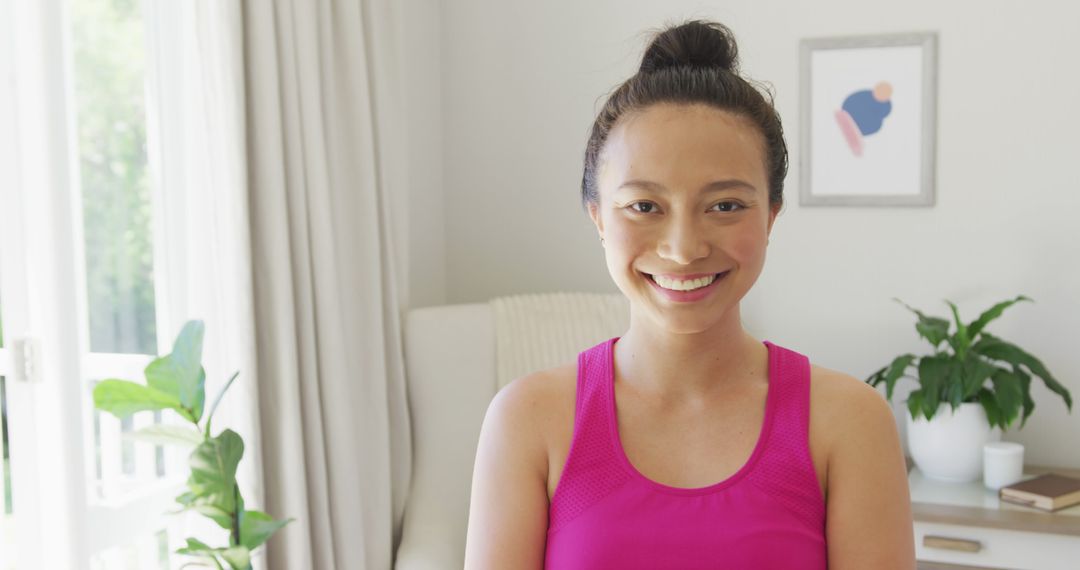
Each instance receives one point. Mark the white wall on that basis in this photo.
(521, 82)
(419, 33)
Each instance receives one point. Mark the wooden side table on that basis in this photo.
(962, 526)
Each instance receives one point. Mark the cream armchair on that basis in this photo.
(450, 369)
(454, 365)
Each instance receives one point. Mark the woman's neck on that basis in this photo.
(683, 368)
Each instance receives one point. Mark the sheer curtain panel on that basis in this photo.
(323, 171)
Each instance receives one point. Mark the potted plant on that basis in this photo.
(176, 381)
(985, 380)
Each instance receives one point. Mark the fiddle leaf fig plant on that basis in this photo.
(176, 382)
(963, 361)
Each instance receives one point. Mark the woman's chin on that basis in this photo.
(687, 323)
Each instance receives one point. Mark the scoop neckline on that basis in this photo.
(759, 446)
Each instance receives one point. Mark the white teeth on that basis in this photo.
(690, 285)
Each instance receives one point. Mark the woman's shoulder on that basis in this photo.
(839, 389)
(544, 387)
(841, 403)
(543, 400)
(865, 478)
(509, 497)
(842, 383)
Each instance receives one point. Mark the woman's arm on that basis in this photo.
(868, 516)
(508, 512)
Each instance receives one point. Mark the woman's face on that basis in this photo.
(684, 194)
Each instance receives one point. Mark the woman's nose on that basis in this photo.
(683, 243)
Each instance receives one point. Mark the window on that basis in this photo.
(108, 67)
(9, 543)
(78, 288)
(7, 517)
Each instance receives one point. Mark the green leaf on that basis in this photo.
(877, 377)
(975, 372)
(992, 347)
(914, 403)
(185, 500)
(217, 400)
(168, 435)
(162, 374)
(1009, 393)
(933, 373)
(954, 394)
(992, 313)
(895, 371)
(195, 546)
(1029, 404)
(256, 527)
(960, 341)
(215, 513)
(199, 549)
(200, 565)
(238, 557)
(933, 329)
(180, 372)
(993, 412)
(213, 476)
(122, 398)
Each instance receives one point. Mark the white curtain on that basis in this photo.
(323, 169)
(202, 232)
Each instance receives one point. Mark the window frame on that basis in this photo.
(61, 524)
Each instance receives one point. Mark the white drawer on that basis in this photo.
(997, 548)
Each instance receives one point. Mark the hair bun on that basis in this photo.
(693, 44)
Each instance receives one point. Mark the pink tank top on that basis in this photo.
(769, 514)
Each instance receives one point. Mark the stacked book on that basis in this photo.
(1048, 492)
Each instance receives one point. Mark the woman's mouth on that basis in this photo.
(683, 284)
(685, 290)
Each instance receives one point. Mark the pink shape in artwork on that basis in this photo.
(850, 130)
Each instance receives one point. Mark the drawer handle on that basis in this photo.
(952, 543)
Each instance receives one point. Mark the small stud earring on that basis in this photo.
(601, 241)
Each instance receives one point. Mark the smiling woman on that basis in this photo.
(686, 442)
(708, 210)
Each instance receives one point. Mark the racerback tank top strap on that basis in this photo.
(592, 469)
(780, 465)
(786, 469)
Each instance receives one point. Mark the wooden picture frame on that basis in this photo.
(868, 120)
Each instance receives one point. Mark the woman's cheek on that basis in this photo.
(621, 234)
(749, 249)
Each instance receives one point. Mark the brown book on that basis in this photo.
(1048, 492)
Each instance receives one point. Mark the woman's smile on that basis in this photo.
(685, 290)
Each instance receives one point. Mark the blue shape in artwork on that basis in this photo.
(867, 112)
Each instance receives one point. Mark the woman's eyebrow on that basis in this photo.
(715, 186)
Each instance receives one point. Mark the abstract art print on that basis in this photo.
(868, 120)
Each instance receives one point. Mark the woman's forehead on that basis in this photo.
(683, 144)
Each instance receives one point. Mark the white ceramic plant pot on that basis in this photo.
(949, 447)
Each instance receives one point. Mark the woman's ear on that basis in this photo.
(773, 211)
(594, 214)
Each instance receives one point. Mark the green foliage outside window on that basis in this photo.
(109, 74)
(5, 460)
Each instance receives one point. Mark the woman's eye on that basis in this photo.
(729, 206)
(645, 207)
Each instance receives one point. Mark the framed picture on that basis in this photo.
(868, 120)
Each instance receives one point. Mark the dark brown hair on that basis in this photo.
(693, 62)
